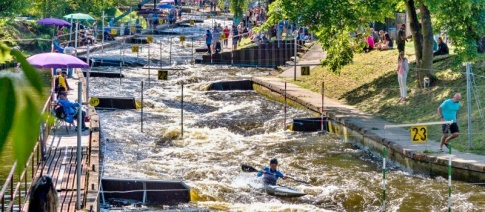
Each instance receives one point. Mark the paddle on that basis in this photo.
(247, 168)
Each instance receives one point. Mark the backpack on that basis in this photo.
(59, 110)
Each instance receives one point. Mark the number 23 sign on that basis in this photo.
(419, 134)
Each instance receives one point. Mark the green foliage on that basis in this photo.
(333, 23)
(238, 7)
(464, 27)
(8, 8)
(19, 115)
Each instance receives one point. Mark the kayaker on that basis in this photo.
(271, 174)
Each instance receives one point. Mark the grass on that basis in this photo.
(370, 84)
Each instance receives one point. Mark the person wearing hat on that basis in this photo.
(271, 174)
(71, 110)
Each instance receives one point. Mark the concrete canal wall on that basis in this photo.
(369, 134)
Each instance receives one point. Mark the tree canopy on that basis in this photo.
(335, 21)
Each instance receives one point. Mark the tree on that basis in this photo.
(8, 8)
(237, 8)
(334, 21)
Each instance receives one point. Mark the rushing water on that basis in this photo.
(224, 129)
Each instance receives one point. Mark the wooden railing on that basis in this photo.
(16, 189)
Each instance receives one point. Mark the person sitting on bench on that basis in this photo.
(71, 110)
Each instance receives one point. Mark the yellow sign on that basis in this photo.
(419, 134)
(132, 29)
(208, 16)
(94, 101)
(218, 13)
(305, 70)
(197, 9)
(150, 39)
(192, 22)
(189, 11)
(114, 31)
(162, 75)
(182, 38)
(134, 48)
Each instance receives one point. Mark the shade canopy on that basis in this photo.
(53, 22)
(79, 16)
(167, 1)
(56, 60)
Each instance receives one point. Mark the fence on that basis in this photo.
(16, 188)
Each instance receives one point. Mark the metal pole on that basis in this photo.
(294, 74)
(449, 179)
(193, 60)
(70, 32)
(160, 62)
(182, 110)
(75, 38)
(78, 163)
(141, 119)
(383, 179)
(87, 75)
(148, 66)
(170, 57)
(323, 98)
(102, 39)
(469, 103)
(121, 66)
(284, 120)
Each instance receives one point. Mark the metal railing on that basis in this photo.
(18, 188)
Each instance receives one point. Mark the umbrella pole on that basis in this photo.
(70, 33)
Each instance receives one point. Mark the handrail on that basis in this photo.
(9, 183)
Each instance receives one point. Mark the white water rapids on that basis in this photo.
(224, 129)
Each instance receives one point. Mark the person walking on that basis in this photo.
(401, 40)
(402, 75)
(447, 111)
(227, 32)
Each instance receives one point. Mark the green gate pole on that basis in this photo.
(449, 180)
(383, 179)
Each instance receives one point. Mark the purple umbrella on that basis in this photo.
(56, 60)
(53, 21)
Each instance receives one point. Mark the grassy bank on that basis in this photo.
(370, 84)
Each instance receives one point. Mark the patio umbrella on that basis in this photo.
(53, 22)
(56, 60)
(79, 16)
(167, 1)
(165, 6)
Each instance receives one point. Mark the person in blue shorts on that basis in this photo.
(447, 111)
(271, 174)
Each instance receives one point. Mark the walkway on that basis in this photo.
(60, 164)
(471, 167)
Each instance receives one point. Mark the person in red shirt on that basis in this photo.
(226, 31)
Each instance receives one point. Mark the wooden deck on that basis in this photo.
(61, 166)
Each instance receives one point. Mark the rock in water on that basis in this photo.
(43, 196)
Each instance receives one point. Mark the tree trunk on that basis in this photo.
(427, 52)
(417, 39)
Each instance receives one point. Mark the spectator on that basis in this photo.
(95, 29)
(216, 36)
(70, 51)
(279, 29)
(402, 75)
(240, 29)
(442, 48)
(235, 37)
(401, 38)
(227, 32)
(375, 35)
(180, 14)
(208, 40)
(71, 110)
(370, 44)
(386, 42)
